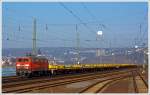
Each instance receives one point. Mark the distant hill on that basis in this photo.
(68, 55)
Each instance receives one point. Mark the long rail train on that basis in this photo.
(36, 65)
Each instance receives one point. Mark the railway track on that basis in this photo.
(27, 81)
(134, 83)
(139, 84)
(14, 81)
(11, 79)
(100, 85)
(144, 81)
(4, 77)
(46, 84)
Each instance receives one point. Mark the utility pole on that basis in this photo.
(110, 47)
(34, 38)
(78, 45)
(139, 39)
(99, 50)
(140, 34)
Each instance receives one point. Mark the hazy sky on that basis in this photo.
(56, 24)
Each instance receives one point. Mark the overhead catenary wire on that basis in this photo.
(20, 27)
(93, 16)
(27, 37)
(89, 40)
(44, 40)
(60, 24)
(89, 12)
(77, 17)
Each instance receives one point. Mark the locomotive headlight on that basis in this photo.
(27, 65)
(18, 65)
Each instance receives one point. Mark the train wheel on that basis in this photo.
(40, 73)
(23, 75)
(52, 72)
(29, 75)
(18, 74)
(49, 73)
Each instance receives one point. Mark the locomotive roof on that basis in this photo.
(40, 57)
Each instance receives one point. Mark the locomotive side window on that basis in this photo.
(36, 60)
(45, 61)
(40, 60)
(33, 60)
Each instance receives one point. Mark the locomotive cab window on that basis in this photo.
(41, 60)
(26, 60)
(23, 60)
(33, 60)
(20, 60)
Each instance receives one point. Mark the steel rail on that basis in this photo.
(39, 79)
(27, 81)
(110, 80)
(61, 83)
(47, 85)
(144, 81)
(134, 83)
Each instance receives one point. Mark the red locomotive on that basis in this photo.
(31, 65)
